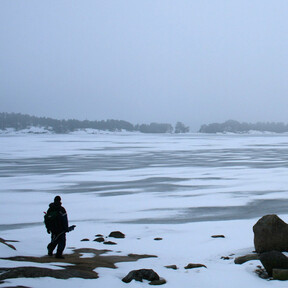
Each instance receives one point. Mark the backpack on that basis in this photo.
(51, 219)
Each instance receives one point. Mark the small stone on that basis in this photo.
(243, 259)
(158, 239)
(218, 236)
(117, 234)
(225, 258)
(109, 243)
(192, 266)
(85, 239)
(174, 267)
(99, 235)
(261, 272)
(100, 239)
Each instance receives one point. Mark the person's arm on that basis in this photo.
(64, 220)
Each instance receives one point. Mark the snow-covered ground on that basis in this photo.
(182, 188)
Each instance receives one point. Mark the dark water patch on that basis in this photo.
(203, 158)
(209, 178)
(284, 144)
(127, 149)
(151, 184)
(255, 209)
(254, 192)
(116, 193)
(4, 227)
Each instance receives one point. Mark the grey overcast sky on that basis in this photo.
(195, 61)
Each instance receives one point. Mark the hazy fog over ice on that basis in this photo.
(145, 61)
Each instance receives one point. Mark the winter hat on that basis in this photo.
(57, 200)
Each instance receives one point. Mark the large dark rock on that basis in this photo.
(270, 233)
(273, 260)
(139, 275)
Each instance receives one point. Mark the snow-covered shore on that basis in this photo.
(33, 130)
(146, 187)
(180, 245)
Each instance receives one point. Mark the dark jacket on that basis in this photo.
(61, 222)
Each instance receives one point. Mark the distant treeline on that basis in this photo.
(236, 127)
(19, 121)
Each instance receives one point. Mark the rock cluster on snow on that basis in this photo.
(84, 267)
(270, 240)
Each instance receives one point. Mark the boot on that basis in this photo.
(50, 251)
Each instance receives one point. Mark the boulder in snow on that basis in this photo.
(270, 233)
(140, 275)
(273, 260)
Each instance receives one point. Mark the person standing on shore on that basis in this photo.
(56, 222)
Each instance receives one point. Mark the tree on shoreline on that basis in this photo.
(181, 128)
(20, 121)
(237, 127)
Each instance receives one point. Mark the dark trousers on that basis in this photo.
(58, 240)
